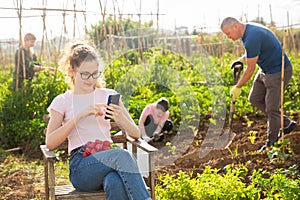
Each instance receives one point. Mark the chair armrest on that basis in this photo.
(119, 137)
(142, 144)
(47, 153)
(49, 159)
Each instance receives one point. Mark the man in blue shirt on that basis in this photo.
(264, 49)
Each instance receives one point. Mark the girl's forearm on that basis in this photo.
(58, 136)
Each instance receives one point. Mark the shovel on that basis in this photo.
(226, 138)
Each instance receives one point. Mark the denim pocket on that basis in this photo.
(77, 152)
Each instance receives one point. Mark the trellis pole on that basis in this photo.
(74, 21)
(44, 28)
(19, 12)
(64, 31)
(282, 86)
(103, 28)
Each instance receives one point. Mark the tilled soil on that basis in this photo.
(201, 153)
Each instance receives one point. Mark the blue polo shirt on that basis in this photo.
(259, 41)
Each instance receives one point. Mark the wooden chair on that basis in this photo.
(68, 191)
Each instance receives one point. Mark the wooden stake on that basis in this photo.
(282, 86)
(19, 5)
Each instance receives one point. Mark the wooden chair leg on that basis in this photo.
(51, 180)
(134, 150)
(46, 179)
(151, 177)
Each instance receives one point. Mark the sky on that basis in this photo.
(173, 13)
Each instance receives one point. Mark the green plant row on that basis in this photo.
(212, 185)
(22, 111)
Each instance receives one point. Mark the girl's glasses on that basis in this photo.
(87, 75)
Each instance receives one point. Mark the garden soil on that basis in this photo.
(190, 156)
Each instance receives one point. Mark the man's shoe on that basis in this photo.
(288, 129)
(263, 148)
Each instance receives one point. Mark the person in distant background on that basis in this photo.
(154, 120)
(24, 62)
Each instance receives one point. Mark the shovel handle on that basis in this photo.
(231, 113)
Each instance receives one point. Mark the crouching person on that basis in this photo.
(154, 121)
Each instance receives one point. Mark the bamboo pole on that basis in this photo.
(139, 32)
(85, 22)
(63, 31)
(74, 20)
(44, 28)
(122, 44)
(103, 28)
(282, 85)
(157, 24)
(19, 12)
(291, 35)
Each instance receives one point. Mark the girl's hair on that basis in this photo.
(162, 104)
(77, 52)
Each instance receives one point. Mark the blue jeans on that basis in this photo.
(115, 171)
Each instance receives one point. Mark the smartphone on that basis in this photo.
(114, 99)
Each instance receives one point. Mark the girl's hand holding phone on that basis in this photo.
(113, 99)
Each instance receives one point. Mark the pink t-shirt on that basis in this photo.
(151, 110)
(89, 128)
